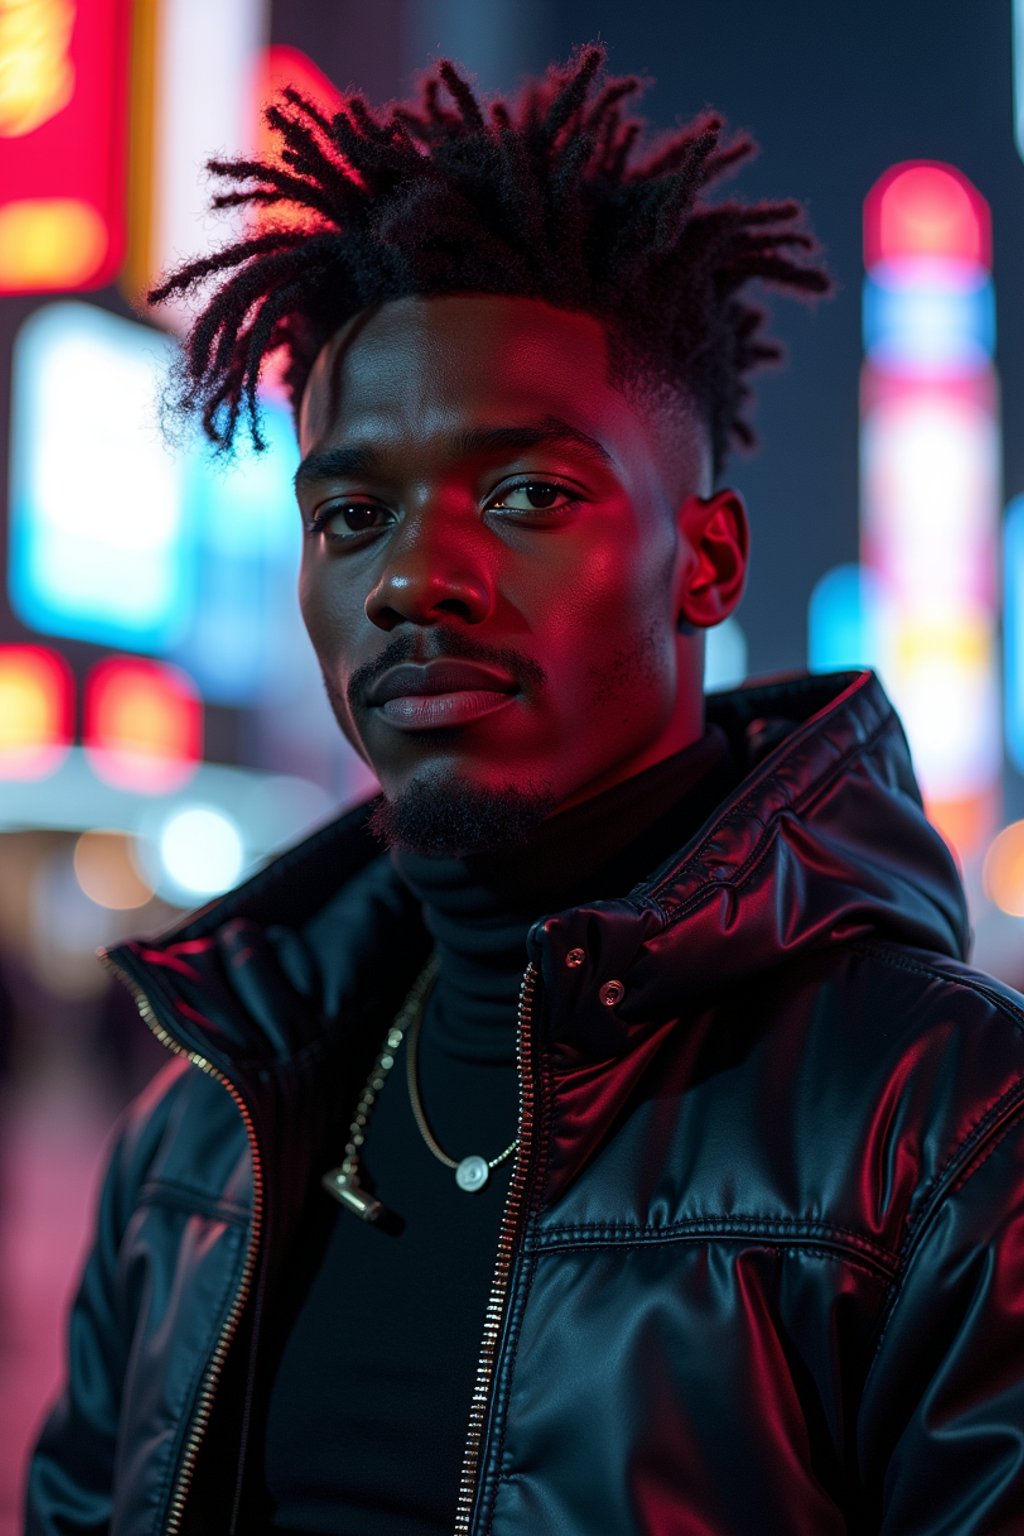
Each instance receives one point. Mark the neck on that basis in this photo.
(479, 908)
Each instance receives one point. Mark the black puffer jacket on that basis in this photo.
(762, 1262)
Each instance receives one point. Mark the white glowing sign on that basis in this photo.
(97, 551)
(205, 60)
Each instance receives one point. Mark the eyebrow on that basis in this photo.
(551, 432)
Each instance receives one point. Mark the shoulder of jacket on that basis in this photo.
(958, 991)
(182, 1127)
(958, 1039)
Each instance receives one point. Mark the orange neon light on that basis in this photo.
(50, 242)
(143, 724)
(36, 703)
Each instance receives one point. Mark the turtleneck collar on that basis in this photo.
(479, 908)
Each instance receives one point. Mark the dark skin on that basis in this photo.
(591, 589)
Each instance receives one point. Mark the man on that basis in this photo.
(627, 1146)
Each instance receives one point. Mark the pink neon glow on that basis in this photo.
(924, 208)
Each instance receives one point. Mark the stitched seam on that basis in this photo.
(933, 1193)
(671, 915)
(785, 1243)
(964, 1149)
(189, 1395)
(837, 1254)
(983, 1156)
(907, 1258)
(740, 1225)
(192, 1201)
(918, 967)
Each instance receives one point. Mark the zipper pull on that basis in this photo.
(346, 1191)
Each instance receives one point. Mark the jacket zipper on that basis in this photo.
(207, 1391)
(498, 1297)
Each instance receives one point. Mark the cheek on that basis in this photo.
(322, 611)
(613, 596)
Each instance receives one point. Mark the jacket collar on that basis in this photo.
(823, 841)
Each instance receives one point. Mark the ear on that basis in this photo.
(714, 548)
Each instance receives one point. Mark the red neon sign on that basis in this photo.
(288, 66)
(924, 208)
(63, 105)
(143, 724)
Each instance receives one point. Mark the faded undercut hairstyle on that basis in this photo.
(554, 196)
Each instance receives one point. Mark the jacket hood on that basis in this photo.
(823, 841)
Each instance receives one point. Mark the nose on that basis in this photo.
(435, 570)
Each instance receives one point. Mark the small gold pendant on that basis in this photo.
(347, 1192)
(472, 1174)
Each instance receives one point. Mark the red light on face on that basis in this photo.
(36, 701)
(143, 724)
(925, 209)
(63, 85)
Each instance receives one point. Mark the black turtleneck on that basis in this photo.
(379, 1331)
(480, 909)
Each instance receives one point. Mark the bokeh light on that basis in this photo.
(201, 851)
(107, 872)
(36, 705)
(143, 724)
(1003, 871)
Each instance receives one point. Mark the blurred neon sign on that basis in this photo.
(194, 65)
(143, 724)
(97, 540)
(283, 66)
(1013, 629)
(121, 540)
(63, 101)
(36, 711)
(930, 452)
(244, 642)
(843, 620)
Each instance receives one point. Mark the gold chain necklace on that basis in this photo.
(471, 1173)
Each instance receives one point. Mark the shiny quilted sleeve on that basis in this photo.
(941, 1435)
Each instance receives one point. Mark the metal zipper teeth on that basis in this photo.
(503, 1266)
(208, 1389)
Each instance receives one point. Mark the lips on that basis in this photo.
(438, 695)
(417, 680)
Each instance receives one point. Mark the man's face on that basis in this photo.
(483, 494)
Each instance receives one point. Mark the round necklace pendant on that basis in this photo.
(472, 1174)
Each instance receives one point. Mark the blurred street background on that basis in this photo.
(163, 727)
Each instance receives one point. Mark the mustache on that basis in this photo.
(440, 644)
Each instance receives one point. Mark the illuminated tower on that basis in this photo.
(930, 452)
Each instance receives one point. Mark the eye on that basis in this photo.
(538, 496)
(340, 521)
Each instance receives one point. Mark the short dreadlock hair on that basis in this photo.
(544, 198)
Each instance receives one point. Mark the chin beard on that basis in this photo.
(447, 817)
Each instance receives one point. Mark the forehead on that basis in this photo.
(418, 366)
